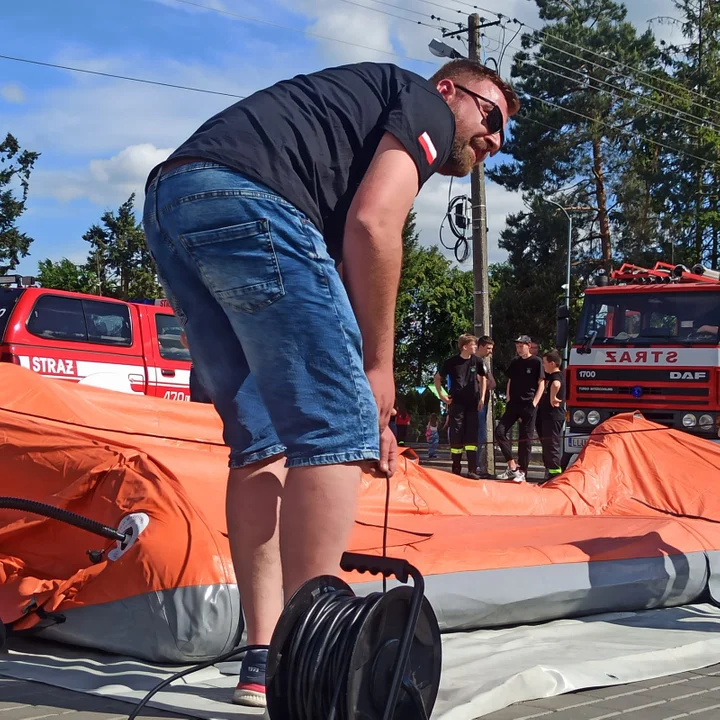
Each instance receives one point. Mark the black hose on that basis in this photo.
(232, 654)
(56, 513)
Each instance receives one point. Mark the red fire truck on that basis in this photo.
(92, 340)
(647, 340)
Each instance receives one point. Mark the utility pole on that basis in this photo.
(481, 294)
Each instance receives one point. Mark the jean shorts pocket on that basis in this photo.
(238, 263)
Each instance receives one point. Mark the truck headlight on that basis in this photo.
(706, 422)
(578, 417)
(689, 420)
(593, 417)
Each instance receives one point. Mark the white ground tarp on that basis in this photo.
(483, 671)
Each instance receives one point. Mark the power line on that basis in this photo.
(620, 130)
(297, 30)
(404, 9)
(120, 77)
(666, 110)
(392, 15)
(599, 55)
(702, 122)
(240, 97)
(673, 112)
(605, 59)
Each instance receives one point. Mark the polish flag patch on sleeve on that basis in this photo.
(429, 147)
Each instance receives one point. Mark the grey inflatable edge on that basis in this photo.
(193, 624)
(180, 625)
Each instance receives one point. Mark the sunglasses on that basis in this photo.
(494, 118)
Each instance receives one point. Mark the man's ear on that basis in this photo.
(446, 88)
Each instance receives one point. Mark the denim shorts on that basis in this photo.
(273, 337)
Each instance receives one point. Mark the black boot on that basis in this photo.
(456, 462)
(472, 463)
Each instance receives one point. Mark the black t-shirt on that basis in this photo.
(311, 138)
(545, 400)
(485, 371)
(525, 375)
(463, 374)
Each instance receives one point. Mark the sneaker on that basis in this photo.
(516, 475)
(250, 691)
(473, 476)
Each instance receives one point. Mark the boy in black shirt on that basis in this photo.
(468, 383)
(551, 412)
(524, 389)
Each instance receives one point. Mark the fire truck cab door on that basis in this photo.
(167, 357)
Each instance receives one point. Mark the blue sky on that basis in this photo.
(98, 137)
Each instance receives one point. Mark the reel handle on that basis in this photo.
(375, 565)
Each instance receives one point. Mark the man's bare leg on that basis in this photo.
(252, 507)
(316, 519)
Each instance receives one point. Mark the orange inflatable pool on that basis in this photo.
(635, 523)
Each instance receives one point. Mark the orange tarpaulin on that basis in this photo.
(638, 491)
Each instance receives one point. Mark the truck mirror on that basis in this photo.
(563, 326)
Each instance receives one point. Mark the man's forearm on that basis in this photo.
(371, 265)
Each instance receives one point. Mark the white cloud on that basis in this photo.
(97, 116)
(104, 181)
(351, 24)
(13, 94)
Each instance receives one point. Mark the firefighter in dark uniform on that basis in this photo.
(468, 384)
(551, 413)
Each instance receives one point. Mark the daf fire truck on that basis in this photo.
(647, 341)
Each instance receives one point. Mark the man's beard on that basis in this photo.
(460, 161)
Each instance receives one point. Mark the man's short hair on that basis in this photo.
(553, 356)
(465, 339)
(462, 68)
(485, 340)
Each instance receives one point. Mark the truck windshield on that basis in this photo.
(671, 317)
(8, 298)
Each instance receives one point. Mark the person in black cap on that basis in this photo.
(525, 385)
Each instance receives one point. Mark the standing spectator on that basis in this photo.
(524, 389)
(432, 435)
(534, 349)
(551, 412)
(467, 386)
(484, 352)
(402, 419)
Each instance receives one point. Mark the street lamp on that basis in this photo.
(566, 287)
(440, 49)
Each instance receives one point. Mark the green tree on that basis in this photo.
(526, 290)
(15, 168)
(573, 134)
(688, 182)
(66, 275)
(119, 257)
(434, 307)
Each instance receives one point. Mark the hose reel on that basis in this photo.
(337, 656)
